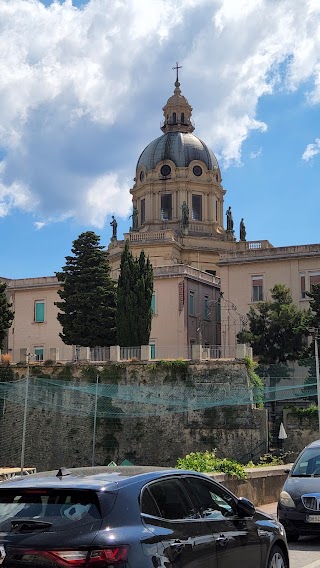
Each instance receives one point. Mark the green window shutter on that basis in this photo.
(153, 303)
(39, 353)
(39, 312)
(152, 350)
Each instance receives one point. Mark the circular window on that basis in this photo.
(165, 170)
(197, 171)
(141, 176)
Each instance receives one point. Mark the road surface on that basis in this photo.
(303, 554)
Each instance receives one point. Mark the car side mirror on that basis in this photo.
(245, 507)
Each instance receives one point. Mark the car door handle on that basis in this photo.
(177, 545)
(222, 540)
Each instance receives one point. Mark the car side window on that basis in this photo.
(148, 505)
(213, 501)
(171, 500)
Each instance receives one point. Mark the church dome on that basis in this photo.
(179, 147)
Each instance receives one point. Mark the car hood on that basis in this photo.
(297, 486)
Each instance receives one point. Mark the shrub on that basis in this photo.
(268, 460)
(255, 382)
(6, 358)
(207, 461)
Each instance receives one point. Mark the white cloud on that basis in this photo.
(255, 154)
(311, 150)
(82, 89)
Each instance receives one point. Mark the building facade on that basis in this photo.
(205, 278)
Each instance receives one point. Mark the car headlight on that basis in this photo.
(286, 499)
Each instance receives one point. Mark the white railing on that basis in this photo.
(100, 354)
(158, 236)
(219, 352)
(130, 353)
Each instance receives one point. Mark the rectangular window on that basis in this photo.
(143, 211)
(191, 303)
(206, 312)
(197, 207)
(314, 278)
(152, 349)
(166, 207)
(218, 311)
(216, 210)
(38, 351)
(303, 285)
(153, 303)
(39, 311)
(257, 288)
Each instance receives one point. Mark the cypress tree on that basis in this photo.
(134, 296)
(6, 314)
(88, 294)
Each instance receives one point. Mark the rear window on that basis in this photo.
(59, 508)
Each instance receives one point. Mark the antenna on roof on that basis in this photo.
(63, 472)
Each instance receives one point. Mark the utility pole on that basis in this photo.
(316, 353)
(315, 334)
(99, 369)
(24, 427)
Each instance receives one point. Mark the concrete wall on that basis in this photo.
(60, 420)
(301, 431)
(262, 486)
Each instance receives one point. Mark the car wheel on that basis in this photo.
(277, 558)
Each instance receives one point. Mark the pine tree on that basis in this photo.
(88, 294)
(6, 314)
(134, 296)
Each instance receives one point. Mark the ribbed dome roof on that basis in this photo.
(179, 147)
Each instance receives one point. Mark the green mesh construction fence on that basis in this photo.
(79, 398)
(71, 421)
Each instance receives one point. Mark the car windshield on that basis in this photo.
(58, 509)
(308, 463)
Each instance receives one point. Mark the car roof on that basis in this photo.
(104, 478)
(315, 444)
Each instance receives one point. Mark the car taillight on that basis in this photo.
(104, 557)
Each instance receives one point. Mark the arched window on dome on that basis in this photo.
(182, 118)
(174, 118)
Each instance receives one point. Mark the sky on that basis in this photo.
(82, 86)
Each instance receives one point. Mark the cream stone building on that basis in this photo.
(249, 275)
(204, 278)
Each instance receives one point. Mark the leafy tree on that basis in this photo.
(6, 314)
(88, 306)
(134, 296)
(277, 333)
(314, 302)
(277, 328)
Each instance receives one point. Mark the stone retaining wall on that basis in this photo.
(263, 485)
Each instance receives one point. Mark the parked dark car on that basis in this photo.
(299, 502)
(132, 517)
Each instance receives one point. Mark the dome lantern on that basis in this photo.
(177, 111)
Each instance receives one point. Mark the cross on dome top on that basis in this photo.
(177, 67)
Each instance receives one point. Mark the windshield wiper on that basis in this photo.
(301, 475)
(27, 525)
